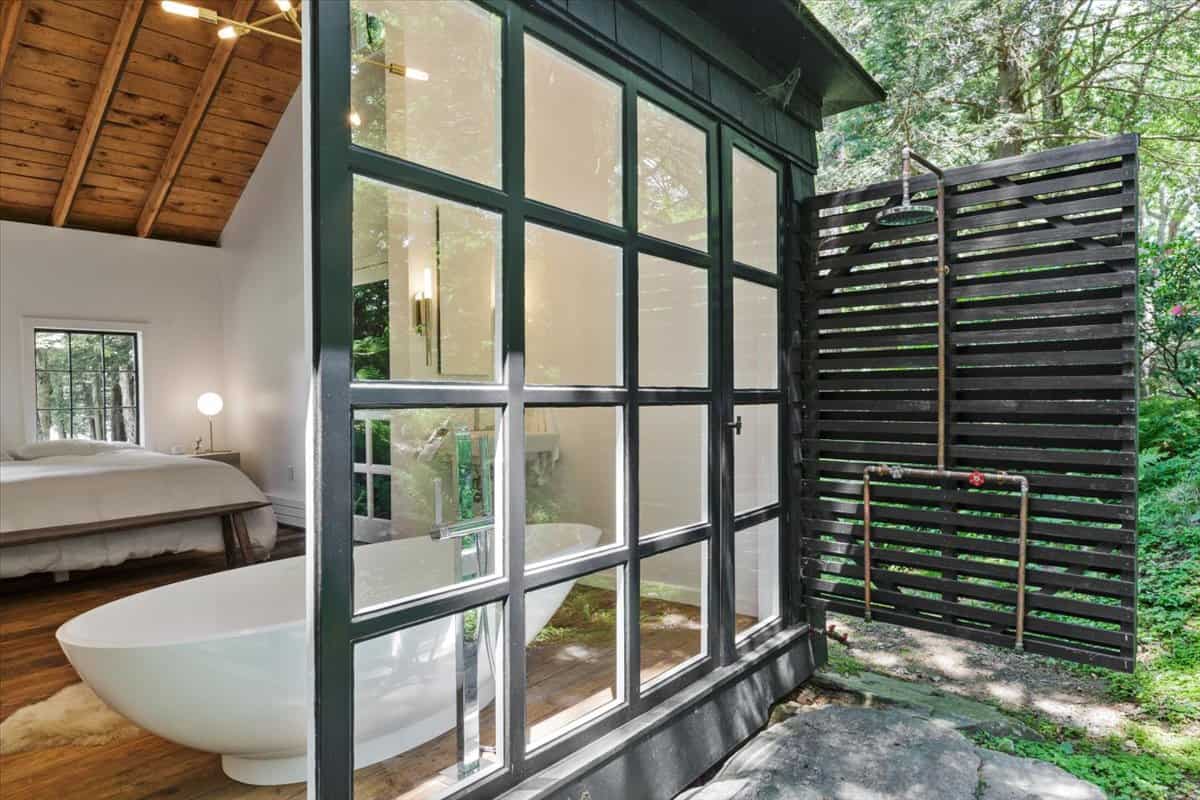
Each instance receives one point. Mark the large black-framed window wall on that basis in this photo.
(649, 247)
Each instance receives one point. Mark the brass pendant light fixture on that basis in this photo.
(232, 29)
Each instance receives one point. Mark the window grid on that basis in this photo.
(512, 392)
(103, 407)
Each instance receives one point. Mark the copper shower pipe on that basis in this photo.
(941, 473)
(943, 269)
(899, 473)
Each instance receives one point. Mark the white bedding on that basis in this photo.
(71, 489)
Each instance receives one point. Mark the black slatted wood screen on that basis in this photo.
(1041, 382)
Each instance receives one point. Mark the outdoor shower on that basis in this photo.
(909, 213)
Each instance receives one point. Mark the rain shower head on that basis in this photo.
(907, 214)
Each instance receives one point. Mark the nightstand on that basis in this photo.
(231, 457)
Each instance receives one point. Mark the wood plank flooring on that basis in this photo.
(570, 674)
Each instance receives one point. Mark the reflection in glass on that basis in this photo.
(425, 717)
(572, 134)
(672, 323)
(755, 213)
(672, 467)
(755, 336)
(573, 477)
(572, 309)
(424, 500)
(673, 615)
(571, 668)
(449, 121)
(425, 276)
(672, 177)
(756, 575)
(756, 458)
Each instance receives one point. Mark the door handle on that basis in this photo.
(736, 426)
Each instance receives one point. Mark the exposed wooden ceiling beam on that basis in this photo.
(12, 14)
(106, 84)
(190, 125)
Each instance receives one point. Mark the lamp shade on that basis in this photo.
(210, 404)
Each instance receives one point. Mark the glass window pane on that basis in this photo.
(120, 352)
(425, 84)
(673, 612)
(122, 424)
(672, 467)
(53, 424)
(756, 458)
(50, 350)
(53, 389)
(572, 309)
(86, 389)
(573, 466)
(756, 575)
(425, 719)
(672, 177)
(120, 388)
(441, 475)
(755, 213)
(87, 423)
(572, 134)
(755, 336)
(85, 352)
(425, 275)
(672, 323)
(571, 633)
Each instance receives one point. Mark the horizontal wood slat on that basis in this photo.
(1041, 325)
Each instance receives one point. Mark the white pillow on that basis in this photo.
(66, 447)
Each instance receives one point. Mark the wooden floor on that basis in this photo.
(570, 673)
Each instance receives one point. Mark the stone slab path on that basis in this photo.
(855, 753)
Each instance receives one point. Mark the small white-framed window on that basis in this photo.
(84, 380)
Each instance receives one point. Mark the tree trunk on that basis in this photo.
(1050, 69)
(1010, 95)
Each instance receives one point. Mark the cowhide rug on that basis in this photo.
(72, 716)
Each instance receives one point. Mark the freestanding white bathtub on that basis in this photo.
(218, 663)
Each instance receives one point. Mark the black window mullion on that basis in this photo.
(721, 220)
(409, 175)
(512, 703)
(400, 395)
(631, 628)
(330, 564)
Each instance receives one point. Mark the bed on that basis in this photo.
(81, 506)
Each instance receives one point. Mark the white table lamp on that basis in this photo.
(210, 404)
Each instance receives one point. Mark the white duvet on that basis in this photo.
(71, 489)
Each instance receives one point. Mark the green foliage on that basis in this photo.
(969, 80)
(1170, 323)
(841, 662)
(1122, 775)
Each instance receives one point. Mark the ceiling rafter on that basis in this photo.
(11, 16)
(207, 88)
(106, 85)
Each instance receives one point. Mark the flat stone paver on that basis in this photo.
(852, 753)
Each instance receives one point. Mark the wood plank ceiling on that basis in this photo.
(117, 116)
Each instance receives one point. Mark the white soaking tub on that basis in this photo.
(218, 663)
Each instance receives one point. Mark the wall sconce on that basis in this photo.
(423, 315)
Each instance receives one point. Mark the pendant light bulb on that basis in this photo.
(228, 32)
(355, 119)
(181, 9)
(284, 5)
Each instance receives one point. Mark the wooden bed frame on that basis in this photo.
(238, 550)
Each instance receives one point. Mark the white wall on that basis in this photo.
(175, 289)
(266, 368)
